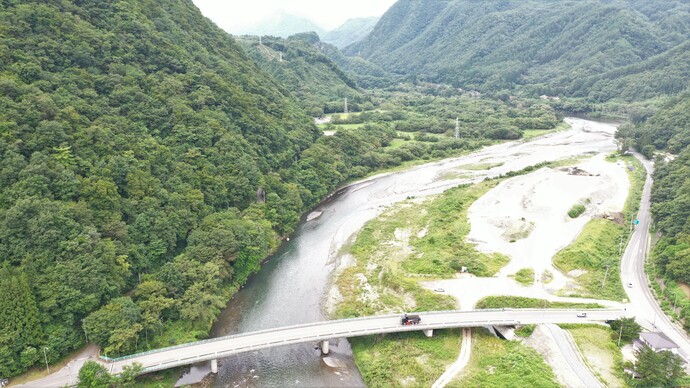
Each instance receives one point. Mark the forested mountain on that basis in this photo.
(134, 136)
(283, 24)
(353, 30)
(317, 83)
(584, 48)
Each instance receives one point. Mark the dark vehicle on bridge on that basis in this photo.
(410, 319)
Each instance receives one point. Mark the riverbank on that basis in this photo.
(522, 217)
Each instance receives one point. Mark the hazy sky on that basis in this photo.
(236, 15)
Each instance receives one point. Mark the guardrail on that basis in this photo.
(331, 335)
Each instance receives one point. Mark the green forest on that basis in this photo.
(316, 82)
(135, 136)
(138, 139)
(600, 50)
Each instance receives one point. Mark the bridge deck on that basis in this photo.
(318, 331)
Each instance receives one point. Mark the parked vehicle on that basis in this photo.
(629, 285)
(410, 320)
(582, 315)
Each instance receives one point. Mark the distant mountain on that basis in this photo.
(548, 46)
(283, 24)
(352, 31)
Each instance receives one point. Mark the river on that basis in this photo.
(291, 287)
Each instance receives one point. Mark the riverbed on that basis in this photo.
(292, 286)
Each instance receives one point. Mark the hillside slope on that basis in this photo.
(551, 46)
(134, 135)
(353, 30)
(317, 83)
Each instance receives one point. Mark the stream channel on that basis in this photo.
(293, 285)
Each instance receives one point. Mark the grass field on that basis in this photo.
(529, 134)
(405, 359)
(499, 363)
(600, 352)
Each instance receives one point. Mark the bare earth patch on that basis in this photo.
(539, 202)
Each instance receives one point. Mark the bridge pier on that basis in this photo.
(324, 347)
(214, 366)
(429, 333)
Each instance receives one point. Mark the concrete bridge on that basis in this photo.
(322, 332)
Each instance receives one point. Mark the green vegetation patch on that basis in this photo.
(600, 352)
(480, 166)
(162, 379)
(499, 363)
(576, 211)
(443, 249)
(525, 331)
(495, 302)
(595, 249)
(410, 242)
(525, 276)
(599, 245)
(405, 359)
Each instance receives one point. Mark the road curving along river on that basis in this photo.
(292, 286)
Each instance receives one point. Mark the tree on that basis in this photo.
(657, 369)
(94, 375)
(626, 328)
(115, 326)
(648, 151)
(128, 375)
(19, 322)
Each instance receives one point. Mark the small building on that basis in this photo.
(657, 341)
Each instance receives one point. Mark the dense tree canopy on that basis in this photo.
(657, 369)
(318, 84)
(596, 49)
(134, 136)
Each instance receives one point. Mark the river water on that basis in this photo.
(291, 287)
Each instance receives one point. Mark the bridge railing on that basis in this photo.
(303, 325)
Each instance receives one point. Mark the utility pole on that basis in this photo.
(45, 356)
(620, 334)
(281, 57)
(457, 127)
(346, 105)
(260, 41)
(605, 275)
(85, 333)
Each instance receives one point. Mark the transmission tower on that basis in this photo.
(457, 127)
(345, 105)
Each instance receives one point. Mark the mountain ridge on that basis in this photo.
(544, 44)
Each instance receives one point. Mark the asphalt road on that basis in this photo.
(572, 356)
(643, 304)
(314, 332)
